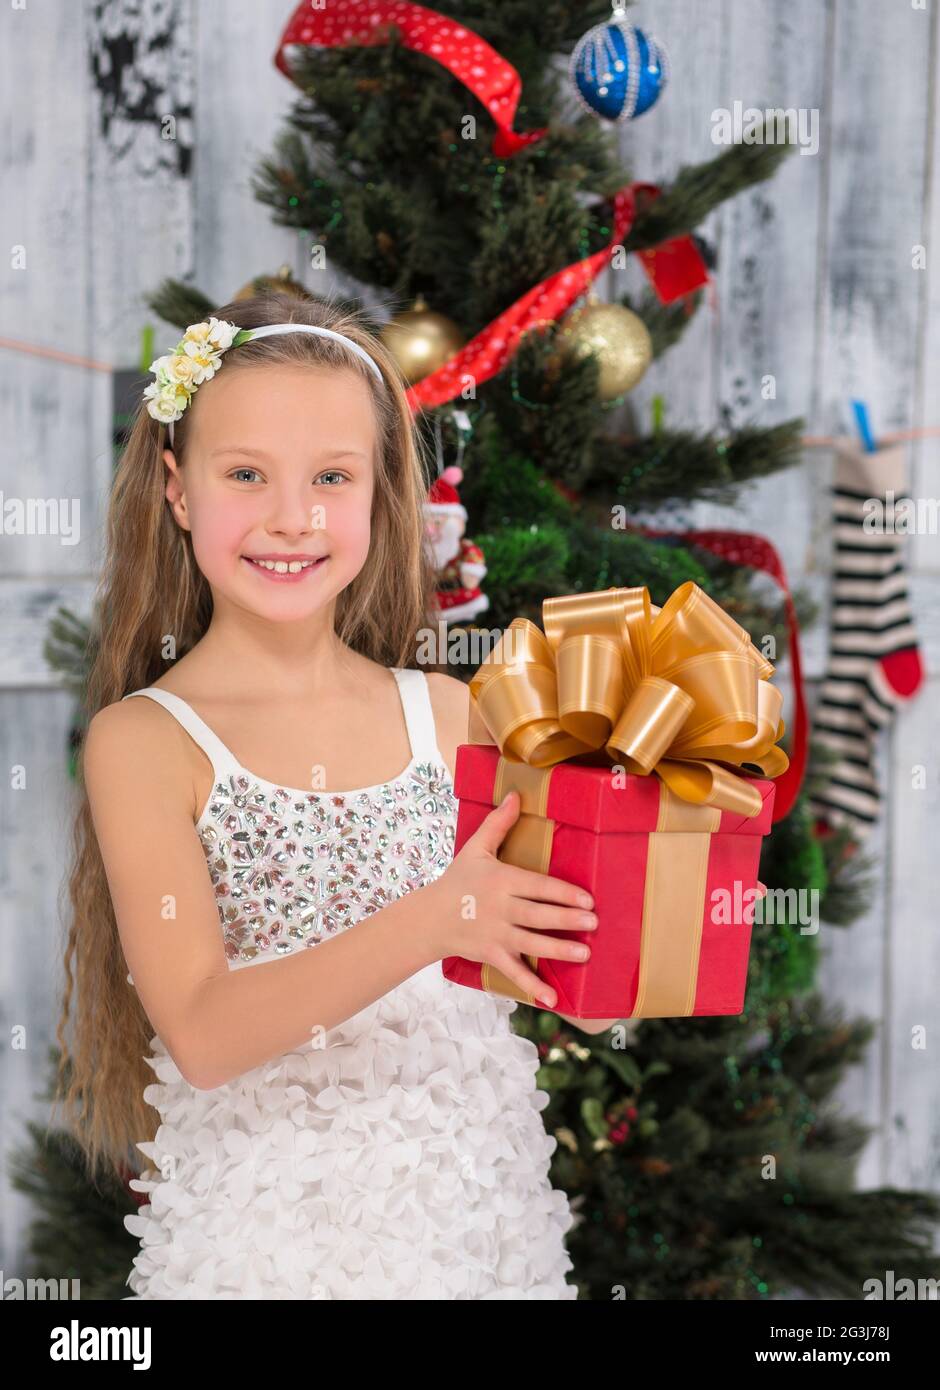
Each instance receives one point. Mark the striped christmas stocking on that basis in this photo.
(874, 664)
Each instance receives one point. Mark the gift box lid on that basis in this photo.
(590, 797)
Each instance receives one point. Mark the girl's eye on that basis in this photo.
(331, 473)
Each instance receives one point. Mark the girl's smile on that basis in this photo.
(289, 570)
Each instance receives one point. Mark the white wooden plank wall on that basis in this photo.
(815, 286)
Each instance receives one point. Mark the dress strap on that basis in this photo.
(412, 688)
(220, 757)
(419, 715)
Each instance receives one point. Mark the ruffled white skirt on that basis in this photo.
(406, 1158)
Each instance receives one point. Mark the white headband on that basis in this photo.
(198, 356)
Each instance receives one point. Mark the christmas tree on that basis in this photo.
(411, 171)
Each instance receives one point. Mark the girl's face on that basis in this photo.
(279, 466)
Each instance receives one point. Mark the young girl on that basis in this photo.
(269, 785)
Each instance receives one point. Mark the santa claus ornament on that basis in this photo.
(458, 561)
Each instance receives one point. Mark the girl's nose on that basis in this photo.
(293, 513)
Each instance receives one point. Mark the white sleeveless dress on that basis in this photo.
(406, 1158)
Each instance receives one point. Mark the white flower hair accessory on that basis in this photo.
(195, 359)
(198, 356)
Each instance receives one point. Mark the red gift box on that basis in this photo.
(674, 886)
(634, 736)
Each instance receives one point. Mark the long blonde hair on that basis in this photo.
(151, 585)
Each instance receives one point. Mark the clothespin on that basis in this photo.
(864, 427)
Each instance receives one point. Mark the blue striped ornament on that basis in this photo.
(617, 71)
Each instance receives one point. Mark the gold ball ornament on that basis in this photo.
(283, 281)
(421, 340)
(617, 337)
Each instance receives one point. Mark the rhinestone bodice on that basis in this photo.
(291, 868)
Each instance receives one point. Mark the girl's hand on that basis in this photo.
(494, 912)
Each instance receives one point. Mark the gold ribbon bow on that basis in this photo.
(680, 691)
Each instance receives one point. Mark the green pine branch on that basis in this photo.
(698, 189)
(647, 471)
(180, 304)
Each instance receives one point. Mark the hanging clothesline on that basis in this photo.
(809, 441)
(822, 441)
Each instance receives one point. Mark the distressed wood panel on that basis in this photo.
(49, 410)
(241, 102)
(868, 347)
(48, 415)
(35, 822)
(910, 1144)
(909, 1109)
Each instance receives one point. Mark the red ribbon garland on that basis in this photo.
(675, 267)
(748, 548)
(493, 81)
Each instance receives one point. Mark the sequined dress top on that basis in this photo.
(399, 1155)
